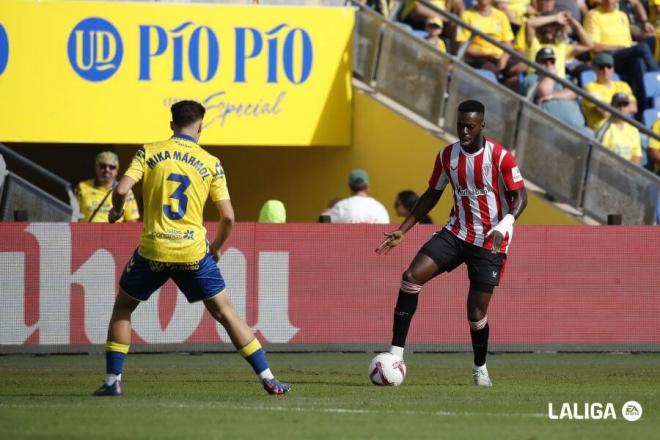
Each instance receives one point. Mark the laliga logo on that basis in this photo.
(95, 49)
(4, 49)
(631, 411)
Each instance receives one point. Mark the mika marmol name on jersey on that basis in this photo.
(176, 155)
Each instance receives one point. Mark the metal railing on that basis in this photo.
(19, 194)
(569, 165)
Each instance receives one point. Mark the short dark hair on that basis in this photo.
(472, 106)
(408, 199)
(185, 113)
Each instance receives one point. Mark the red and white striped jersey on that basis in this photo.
(480, 182)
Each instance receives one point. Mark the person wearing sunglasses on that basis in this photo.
(603, 89)
(94, 194)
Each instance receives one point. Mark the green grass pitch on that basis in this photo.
(179, 396)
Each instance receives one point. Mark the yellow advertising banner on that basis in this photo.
(102, 72)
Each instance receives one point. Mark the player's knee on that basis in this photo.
(409, 277)
(478, 324)
(410, 288)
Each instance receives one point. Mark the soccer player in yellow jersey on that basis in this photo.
(178, 176)
(93, 195)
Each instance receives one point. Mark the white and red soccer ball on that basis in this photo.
(387, 369)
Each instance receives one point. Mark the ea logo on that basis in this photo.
(4, 49)
(95, 49)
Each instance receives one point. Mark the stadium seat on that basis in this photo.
(420, 34)
(587, 76)
(650, 115)
(652, 84)
(487, 74)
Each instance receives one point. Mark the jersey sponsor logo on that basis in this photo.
(4, 49)
(173, 234)
(95, 49)
(466, 192)
(515, 173)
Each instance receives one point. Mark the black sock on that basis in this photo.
(405, 308)
(480, 345)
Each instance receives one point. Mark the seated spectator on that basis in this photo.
(404, 204)
(434, 33)
(549, 31)
(544, 7)
(621, 137)
(273, 211)
(94, 195)
(516, 11)
(609, 30)
(360, 207)
(481, 54)
(654, 149)
(604, 89)
(551, 96)
(640, 26)
(415, 13)
(654, 18)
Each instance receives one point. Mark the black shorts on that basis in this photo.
(449, 251)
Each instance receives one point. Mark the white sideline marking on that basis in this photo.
(291, 409)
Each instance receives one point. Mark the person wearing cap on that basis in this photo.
(273, 211)
(621, 137)
(360, 207)
(433, 28)
(549, 30)
(552, 96)
(604, 89)
(609, 29)
(94, 194)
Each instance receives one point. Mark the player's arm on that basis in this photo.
(225, 225)
(518, 199)
(119, 195)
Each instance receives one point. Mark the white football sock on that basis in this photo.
(112, 378)
(267, 374)
(397, 351)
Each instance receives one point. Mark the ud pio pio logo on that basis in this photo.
(95, 49)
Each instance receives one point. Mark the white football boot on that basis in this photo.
(480, 376)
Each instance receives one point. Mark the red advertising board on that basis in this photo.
(317, 284)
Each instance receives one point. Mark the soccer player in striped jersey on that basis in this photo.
(178, 176)
(489, 195)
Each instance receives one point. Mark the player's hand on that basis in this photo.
(392, 239)
(214, 248)
(497, 240)
(113, 215)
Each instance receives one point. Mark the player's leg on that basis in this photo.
(138, 281)
(485, 270)
(243, 339)
(206, 284)
(477, 309)
(439, 254)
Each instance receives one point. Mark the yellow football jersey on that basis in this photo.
(655, 145)
(495, 25)
(602, 93)
(608, 27)
(624, 141)
(90, 195)
(178, 176)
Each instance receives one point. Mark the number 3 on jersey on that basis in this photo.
(178, 194)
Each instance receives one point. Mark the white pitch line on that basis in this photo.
(293, 409)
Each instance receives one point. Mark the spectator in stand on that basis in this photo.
(434, 33)
(654, 17)
(551, 96)
(273, 211)
(94, 194)
(404, 204)
(609, 30)
(604, 89)
(654, 149)
(516, 11)
(548, 31)
(621, 137)
(360, 207)
(481, 54)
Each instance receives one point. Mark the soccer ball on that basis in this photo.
(387, 369)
